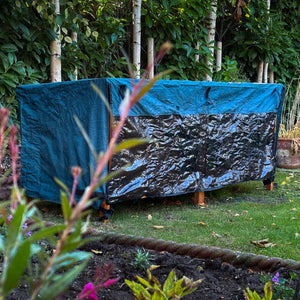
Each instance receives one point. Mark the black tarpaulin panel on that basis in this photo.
(172, 164)
(194, 153)
(240, 147)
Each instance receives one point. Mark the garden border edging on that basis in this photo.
(235, 258)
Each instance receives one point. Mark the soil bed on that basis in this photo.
(221, 281)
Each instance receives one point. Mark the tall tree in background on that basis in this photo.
(55, 48)
(211, 28)
(263, 66)
(137, 7)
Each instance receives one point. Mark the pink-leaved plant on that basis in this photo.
(101, 281)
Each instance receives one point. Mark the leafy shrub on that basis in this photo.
(172, 288)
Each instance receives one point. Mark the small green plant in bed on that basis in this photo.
(141, 260)
(172, 288)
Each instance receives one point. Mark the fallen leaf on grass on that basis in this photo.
(202, 224)
(216, 235)
(263, 243)
(158, 227)
(294, 209)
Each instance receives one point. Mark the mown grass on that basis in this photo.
(235, 215)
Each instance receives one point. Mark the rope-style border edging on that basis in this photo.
(235, 258)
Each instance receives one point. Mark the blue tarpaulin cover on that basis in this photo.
(206, 135)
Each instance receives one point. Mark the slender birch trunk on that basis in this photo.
(266, 73)
(262, 75)
(197, 55)
(260, 71)
(271, 76)
(137, 6)
(74, 39)
(219, 56)
(55, 48)
(212, 17)
(151, 57)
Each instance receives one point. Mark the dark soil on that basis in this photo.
(221, 281)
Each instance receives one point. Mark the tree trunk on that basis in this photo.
(197, 55)
(151, 57)
(212, 17)
(137, 6)
(266, 66)
(271, 76)
(219, 56)
(55, 48)
(260, 71)
(74, 39)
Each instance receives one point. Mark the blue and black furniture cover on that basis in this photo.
(205, 135)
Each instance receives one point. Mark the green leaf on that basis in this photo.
(73, 245)
(5, 63)
(148, 21)
(166, 4)
(59, 20)
(46, 232)
(113, 37)
(64, 30)
(61, 282)
(143, 281)
(63, 186)
(130, 143)
(268, 291)
(9, 48)
(2, 248)
(24, 29)
(19, 69)
(66, 207)
(95, 34)
(16, 267)
(11, 58)
(68, 39)
(170, 282)
(111, 175)
(138, 290)
(15, 226)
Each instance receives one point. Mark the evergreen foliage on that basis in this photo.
(249, 34)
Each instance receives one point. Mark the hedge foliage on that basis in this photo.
(104, 31)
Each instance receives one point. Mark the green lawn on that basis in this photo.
(234, 216)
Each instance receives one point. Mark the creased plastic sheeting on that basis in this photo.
(51, 140)
(239, 148)
(193, 153)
